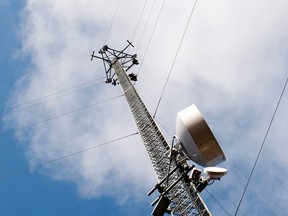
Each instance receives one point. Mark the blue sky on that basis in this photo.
(33, 193)
(232, 65)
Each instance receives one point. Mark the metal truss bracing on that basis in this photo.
(185, 200)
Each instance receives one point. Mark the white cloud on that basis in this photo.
(232, 65)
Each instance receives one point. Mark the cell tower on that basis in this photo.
(179, 183)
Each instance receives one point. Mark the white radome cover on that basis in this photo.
(196, 138)
(215, 172)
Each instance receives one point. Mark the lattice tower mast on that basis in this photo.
(172, 172)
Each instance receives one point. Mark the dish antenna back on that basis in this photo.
(196, 138)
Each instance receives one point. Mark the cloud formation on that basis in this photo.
(232, 65)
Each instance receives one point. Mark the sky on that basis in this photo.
(54, 102)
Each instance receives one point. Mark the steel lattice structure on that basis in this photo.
(172, 172)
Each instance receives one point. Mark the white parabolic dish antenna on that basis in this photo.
(196, 138)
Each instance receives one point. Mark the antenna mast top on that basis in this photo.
(109, 56)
